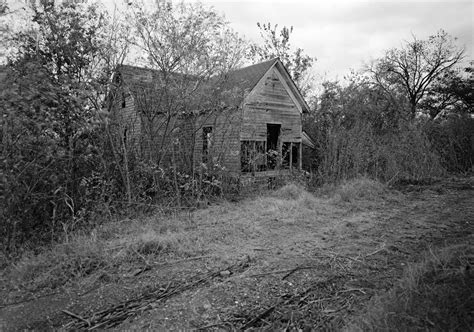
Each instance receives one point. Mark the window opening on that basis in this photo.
(286, 155)
(206, 143)
(252, 156)
(124, 100)
(295, 155)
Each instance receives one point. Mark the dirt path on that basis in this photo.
(313, 263)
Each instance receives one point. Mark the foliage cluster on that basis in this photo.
(407, 116)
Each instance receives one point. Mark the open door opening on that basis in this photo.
(273, 151)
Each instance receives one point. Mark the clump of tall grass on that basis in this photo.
(290, 191)
(64, 262)
(435, 294)
(149, 242)
(361, 188)
(106, 249)
(404, 153)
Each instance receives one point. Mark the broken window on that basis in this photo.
(206, 143)
(290, 155)
(285, 155)
(295, 155)
(252, 156)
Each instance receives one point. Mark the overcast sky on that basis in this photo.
(344, 34)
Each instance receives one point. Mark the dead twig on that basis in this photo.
(287, 271)
(181, 260)
(115, 315)
(76, 316)
(353, 290)
(297, 269)
(261, 316)
(298, 298)
(383, 247)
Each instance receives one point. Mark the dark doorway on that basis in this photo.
(273, 135)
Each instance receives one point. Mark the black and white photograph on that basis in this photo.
(237, 165)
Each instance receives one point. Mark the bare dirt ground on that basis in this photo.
(287, 260)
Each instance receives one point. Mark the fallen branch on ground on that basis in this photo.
(119, 313)
(377, 251)
(298, 298)
(288, 271)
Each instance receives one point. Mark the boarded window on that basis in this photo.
(252, 156)
(206, 143)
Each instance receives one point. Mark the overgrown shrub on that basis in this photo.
(453, 139)
(402, 153)
(170, 186)
(54, 268)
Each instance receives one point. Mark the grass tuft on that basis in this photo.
(152, 243)
(53, 268)
(360, 188)
(290, 191)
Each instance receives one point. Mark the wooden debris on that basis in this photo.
(287, 271)
(76, 316)
(117, 314)
(284, 301)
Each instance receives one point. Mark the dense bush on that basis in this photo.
(366, 129)
(453, 139)
(405, 153)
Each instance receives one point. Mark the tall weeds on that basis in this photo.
(404, 153)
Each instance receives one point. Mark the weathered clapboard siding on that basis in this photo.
(270, 103)
(125, 121)
(225, 143)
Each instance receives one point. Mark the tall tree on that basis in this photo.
(47, 119)
(188, 45)
(451, 92)
(415, 66)
(276, 43)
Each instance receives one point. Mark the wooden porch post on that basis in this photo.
(300, 161)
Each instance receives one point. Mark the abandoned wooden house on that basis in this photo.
(248, 121)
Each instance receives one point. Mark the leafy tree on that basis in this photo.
(415, 66)
(190, 47)
(451, 92)
(47, 120)
(277, 44)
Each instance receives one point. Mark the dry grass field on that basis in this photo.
(358, 256)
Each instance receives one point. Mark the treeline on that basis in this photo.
(64, 170)
(370, 125)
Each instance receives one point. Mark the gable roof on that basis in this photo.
(246, 78)
(243, 79)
